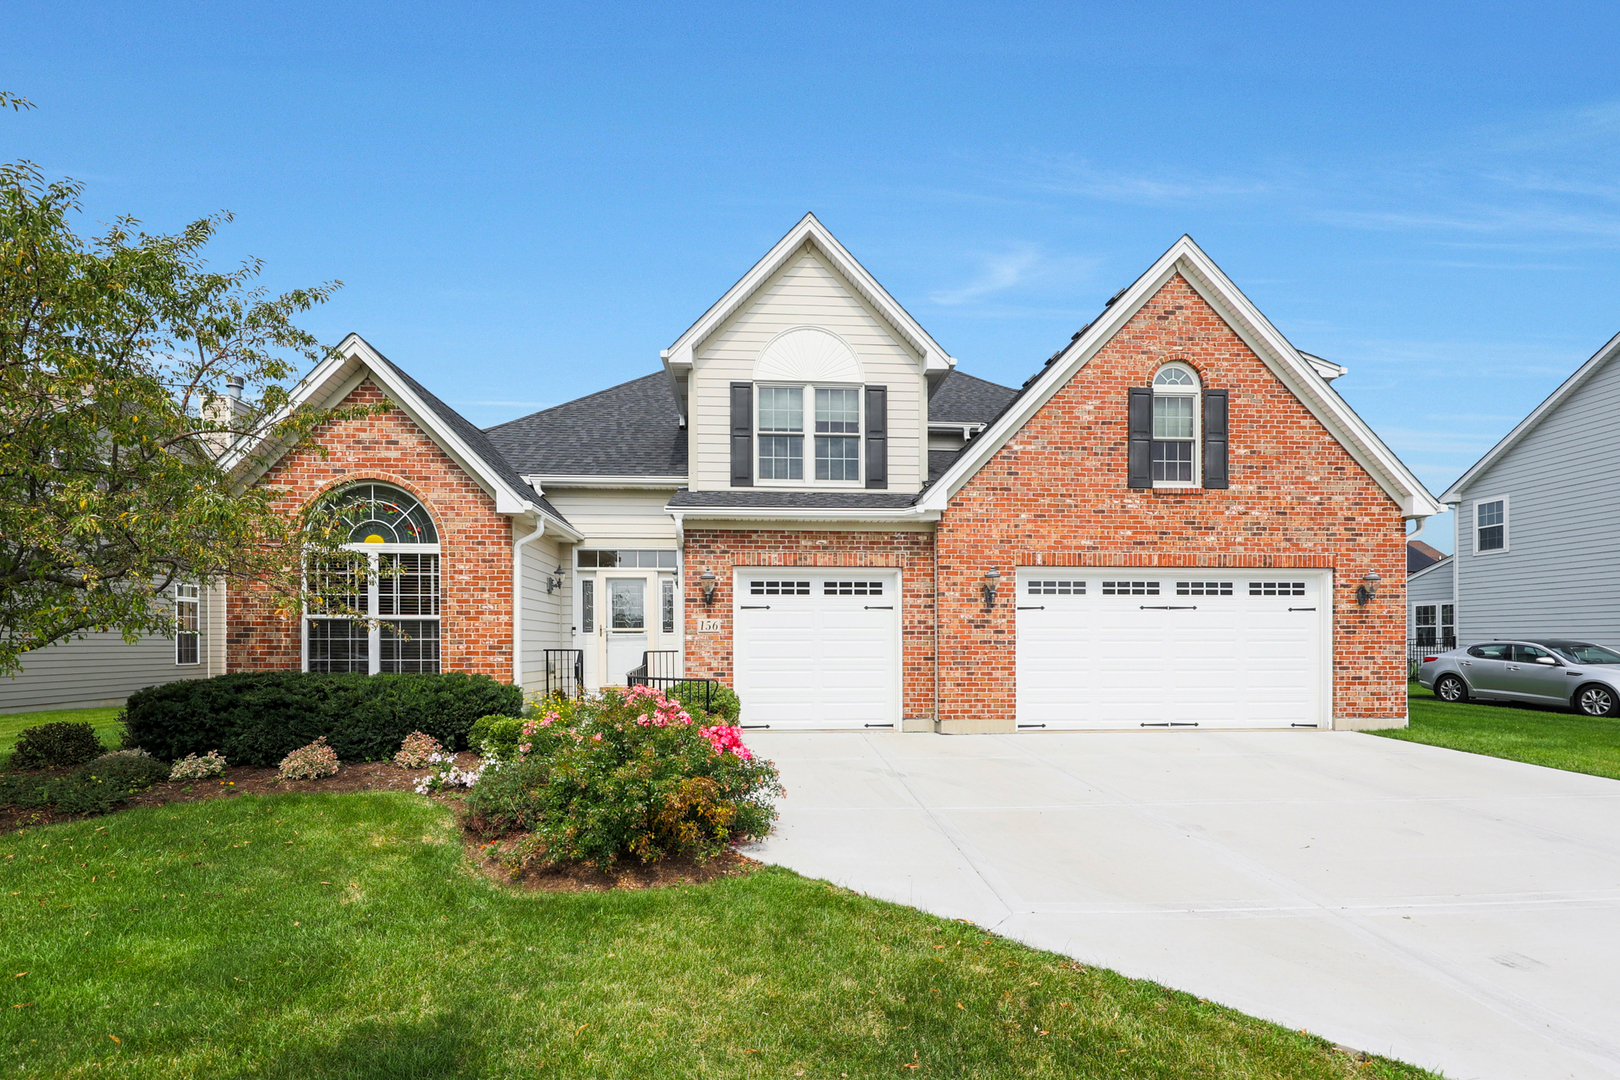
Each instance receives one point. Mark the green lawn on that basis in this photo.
(105, 720)
(346, 936)
(1561, 740)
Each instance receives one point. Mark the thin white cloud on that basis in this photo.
(1023, 267)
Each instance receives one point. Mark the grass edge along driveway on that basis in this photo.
(1550, 737)
(347, 935)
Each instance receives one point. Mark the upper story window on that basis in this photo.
(836, 412)
(376, 609)
(1490, 525)
(1175, 426)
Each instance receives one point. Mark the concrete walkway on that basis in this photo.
(1451, 910)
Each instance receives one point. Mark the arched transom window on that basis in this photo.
(377, 609)
(1175, 426)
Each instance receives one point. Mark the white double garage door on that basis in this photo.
(1097, 648)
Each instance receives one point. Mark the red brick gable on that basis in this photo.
(475, 541)
(1056, 494)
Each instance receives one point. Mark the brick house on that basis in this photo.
(1176, 522)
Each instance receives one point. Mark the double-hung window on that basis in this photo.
(187, 624)
(836, 446)
(1423, 626)
(781, 433)
(374, 608)
(1490, 525)
(1175, 426)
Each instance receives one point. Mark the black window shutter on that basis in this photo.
(1215, 427)
(742, 434)
(1139, 461)
(877, 436)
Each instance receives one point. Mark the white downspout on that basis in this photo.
(517, 600)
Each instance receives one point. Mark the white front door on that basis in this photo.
(626, 627)
(818, 649)
(1136, 648)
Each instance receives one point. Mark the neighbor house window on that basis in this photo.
(187, 624)
(1424, 626)
(1490, 523)
(375, 608)
(1175, 426)
(836, 433)
(1448, 625)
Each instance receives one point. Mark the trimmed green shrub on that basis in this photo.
(723, 701)
(496, 737)
(631, 774)
(93, 789)
(259, 718)
(50, 745)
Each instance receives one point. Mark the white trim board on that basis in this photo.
(1287, 363)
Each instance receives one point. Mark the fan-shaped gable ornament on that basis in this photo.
(808, 354)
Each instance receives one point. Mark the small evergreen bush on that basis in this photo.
(625, 774)
(51, 745)
(496, 737)
(93, 789)
(258, 718)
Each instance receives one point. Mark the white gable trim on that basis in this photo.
(678, 358)
(335, 378)
(1443, 561)
(1611, 349)
(1297, 373)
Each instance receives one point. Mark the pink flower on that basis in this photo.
(597, 737)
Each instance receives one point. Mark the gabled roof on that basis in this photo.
(963, 399)
(1420, 555)
(1610, 350)
(1286, 362)
(1438, 566)
(629, 430)
(335, 377)
(936, 361)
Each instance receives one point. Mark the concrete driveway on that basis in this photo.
(1454, 911)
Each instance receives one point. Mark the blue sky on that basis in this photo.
(526, 202)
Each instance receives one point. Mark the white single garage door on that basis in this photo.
(1152, 648)
(818, 649)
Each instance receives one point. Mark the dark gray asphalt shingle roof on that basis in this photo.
(965, 399)
(632, 429)
(472, 436)
(791, 500)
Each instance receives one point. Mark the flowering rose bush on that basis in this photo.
(625, 773)
(417, 751)
(309, 762)
(192, 767)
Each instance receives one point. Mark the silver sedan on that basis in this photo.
(1544, 671)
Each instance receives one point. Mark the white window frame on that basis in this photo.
(808, 390)
(1507, 522)
(1197, 396)
(373, 620)
(188, 596)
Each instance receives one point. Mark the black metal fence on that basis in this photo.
(1418, 648)
(565, 672)
(658, 670)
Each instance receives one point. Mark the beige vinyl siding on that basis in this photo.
(545, 615)
(617, 517)
(807, 291)
(1561, 482)
(102, 669)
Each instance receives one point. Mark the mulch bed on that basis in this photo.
(386, 776)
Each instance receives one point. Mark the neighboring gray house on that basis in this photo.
(101, 669)
(1431, 613)
(1536, 549)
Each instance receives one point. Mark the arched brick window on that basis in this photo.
(376, 611)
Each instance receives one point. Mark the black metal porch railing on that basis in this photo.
(658, 670)
(656, 664)
(565, 672)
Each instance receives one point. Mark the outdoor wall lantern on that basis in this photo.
(1367, 589)
(991, 578)
(554, 580)
(710, 583)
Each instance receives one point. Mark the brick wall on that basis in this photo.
(1056, 494)
(475, 541)
(709, 655)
